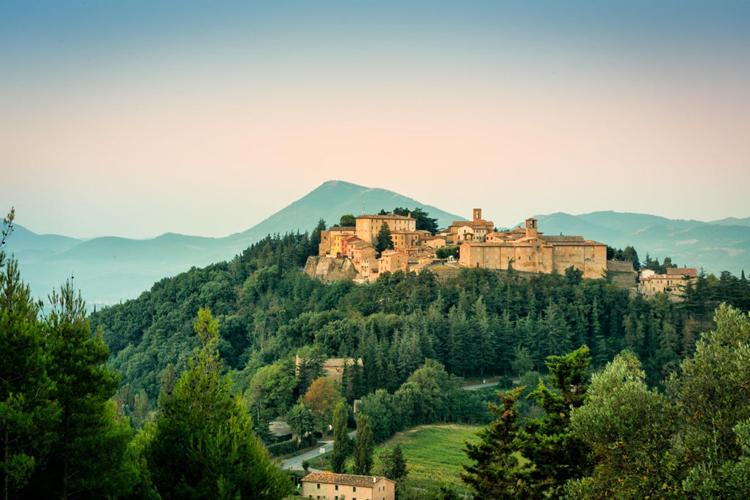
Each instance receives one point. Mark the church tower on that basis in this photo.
(531, 231)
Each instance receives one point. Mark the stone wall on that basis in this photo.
(329, 269)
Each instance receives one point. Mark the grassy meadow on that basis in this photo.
(434, 454)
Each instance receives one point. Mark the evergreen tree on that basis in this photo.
(383, 240)
(87, 455)
(27, 413)
(496, 471)
(393, 463)
(202, 442)
(315, 238)
(348, 220)
(554, 453)
(341, 441)
(364, 446)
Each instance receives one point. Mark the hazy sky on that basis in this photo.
(135, 118)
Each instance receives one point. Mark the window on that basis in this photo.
(318, 485)
(354, 488)
(336, 488)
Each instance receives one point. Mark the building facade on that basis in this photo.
(530, 251)
(475, 229)
(672, 283)
(368, 226)
(332, 486)
(330, 240)
(392, 261)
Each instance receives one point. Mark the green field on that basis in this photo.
(434, 454)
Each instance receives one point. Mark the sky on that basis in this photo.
(142, 117)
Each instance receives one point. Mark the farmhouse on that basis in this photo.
(332, 486)
(672, 283)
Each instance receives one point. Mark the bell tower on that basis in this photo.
(477, 214)
(531, 230)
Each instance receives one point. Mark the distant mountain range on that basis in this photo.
(714, 246)
(111, 269)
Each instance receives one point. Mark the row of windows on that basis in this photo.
(336, 487)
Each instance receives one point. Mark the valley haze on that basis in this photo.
(112, 269)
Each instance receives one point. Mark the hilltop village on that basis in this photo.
(385, 243)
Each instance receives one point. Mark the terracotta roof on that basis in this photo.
(683, 271)
(473, 223)
(562, 238)
(347, 479)
(522, 242)
(359, 244)
(664, 277)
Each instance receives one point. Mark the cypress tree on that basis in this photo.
(341, 442)
(383, 241)
(364, 446)
(394, 463)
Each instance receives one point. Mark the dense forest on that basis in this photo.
(170, 395)
(611, 435)
(477, 323)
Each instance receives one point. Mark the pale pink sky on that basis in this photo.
(212, 140)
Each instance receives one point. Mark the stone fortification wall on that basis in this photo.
(329, 269)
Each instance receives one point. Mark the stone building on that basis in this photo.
(475, 229)
(672, 283)
(330, 240)
(532, 252)
(405, 240)
(333, 368)
(332, 486)
(368, 226)
(523, 248)
(362, 256)
(393, 260)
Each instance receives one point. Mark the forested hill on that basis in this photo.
(477, 323)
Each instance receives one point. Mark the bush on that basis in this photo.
(289, 446)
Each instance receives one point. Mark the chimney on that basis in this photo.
(477, 214)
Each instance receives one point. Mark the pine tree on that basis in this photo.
(364, 446)
(341, 441)
(202, 442)
(87, 455)
(496, 471)
(27, 414)
(383, 241)
(547, 441)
